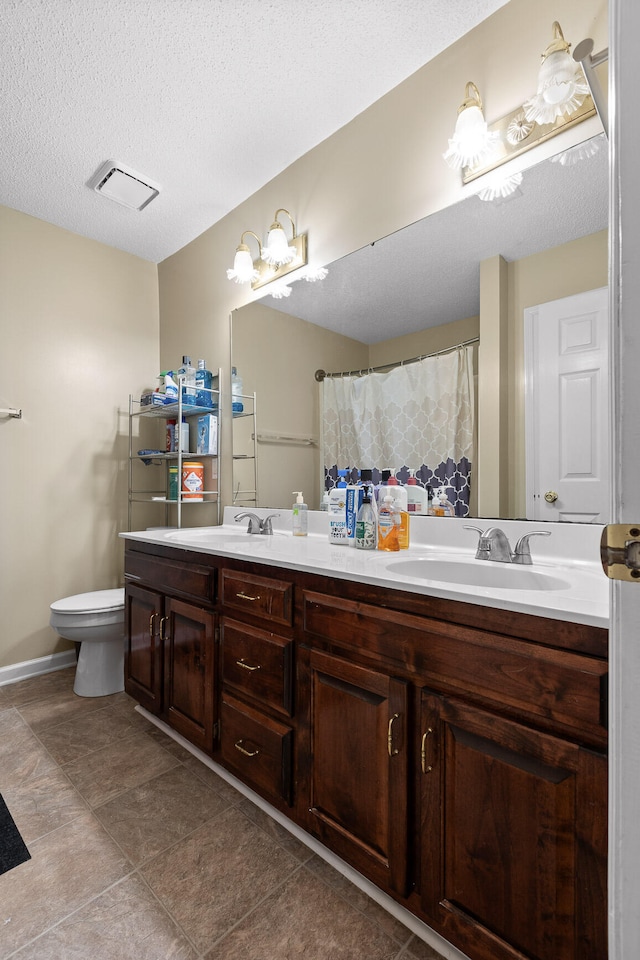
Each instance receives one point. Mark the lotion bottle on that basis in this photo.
(300, 515)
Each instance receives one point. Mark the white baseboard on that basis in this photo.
(34, 668)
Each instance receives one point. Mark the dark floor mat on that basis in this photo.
(13, 850)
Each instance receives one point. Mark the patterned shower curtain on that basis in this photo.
(416, 417)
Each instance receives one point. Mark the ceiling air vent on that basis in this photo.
(125, 186)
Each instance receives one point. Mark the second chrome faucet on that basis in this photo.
(493, 544)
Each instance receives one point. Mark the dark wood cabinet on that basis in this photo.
(358, 788)
(511, 857)
(454, 754)
(189, 671)
(143, 647)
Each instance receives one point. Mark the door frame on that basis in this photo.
(624, 287)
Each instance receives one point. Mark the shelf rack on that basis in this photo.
(174, 411)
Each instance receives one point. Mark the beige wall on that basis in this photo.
(79, 333)
(377, 174)
(277, 356)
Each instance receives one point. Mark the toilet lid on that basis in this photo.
(98, 601)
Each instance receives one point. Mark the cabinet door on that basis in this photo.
(358, 770)
(189, 652)
(513, 831)
(143, 647)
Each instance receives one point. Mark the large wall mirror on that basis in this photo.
(414, 293)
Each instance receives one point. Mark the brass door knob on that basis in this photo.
(551, 496)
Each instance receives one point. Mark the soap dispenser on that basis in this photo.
(300, 515)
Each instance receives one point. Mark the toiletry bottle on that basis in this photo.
(204, 379)
(417, 498)
(381, 488)
(399, 494)
(365, 538)
(324, 503)
(388, 525)
(338, 510)
(182, 436)
(354, 502)
(171, 436)
(444, 507)
(237, 406)
(300, 515)
(188, 373)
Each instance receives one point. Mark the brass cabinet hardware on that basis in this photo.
(247, 753)
(245, 596)
(151, 624)
(163, 622)
(390, 747)
(426, 767)
(247, 666)
(620, 551)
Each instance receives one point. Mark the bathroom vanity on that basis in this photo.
(446, 740)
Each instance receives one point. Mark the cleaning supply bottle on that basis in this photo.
(204, 380)
(417, 496)
(388, 525)
(170, 387)
(300, 515)
(365, 538)
(237, 406)
(188, 373)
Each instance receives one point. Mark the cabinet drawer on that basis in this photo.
(256, 747)
(257, 663)
(192, 581)
(259, 596)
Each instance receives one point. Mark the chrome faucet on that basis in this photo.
(257, 524)
(493, 544)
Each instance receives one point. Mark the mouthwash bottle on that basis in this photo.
(204, 381)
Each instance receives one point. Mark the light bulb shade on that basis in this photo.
(561, 83)
(280, 291)
(243, 270)
(277, 251)
(472, 143)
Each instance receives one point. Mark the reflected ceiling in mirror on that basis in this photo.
(428, 273)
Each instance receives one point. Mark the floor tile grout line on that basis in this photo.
(168, 913)
(69, 915)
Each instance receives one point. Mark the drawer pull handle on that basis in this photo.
(247, 753)
(152, 619)
(163, 622)
(247, 666)
(390, 747)
(426, 767)
(245, 596)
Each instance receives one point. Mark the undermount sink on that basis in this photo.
(204, 535)
(477, 573)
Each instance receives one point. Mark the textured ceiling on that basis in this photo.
(208, 98)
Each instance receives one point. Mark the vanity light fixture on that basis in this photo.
(277, 257)
(243, 269)
(472, 142)
(561, 83)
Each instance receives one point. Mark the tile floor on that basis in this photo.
(141, 852)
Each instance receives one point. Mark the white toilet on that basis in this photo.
(95, 621)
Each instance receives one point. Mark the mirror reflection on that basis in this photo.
(422, 290)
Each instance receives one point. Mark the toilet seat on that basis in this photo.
(97, 601)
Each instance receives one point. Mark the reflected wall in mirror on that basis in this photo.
(468, 271)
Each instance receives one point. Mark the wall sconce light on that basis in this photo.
(472, 142)
(243, 269)
(561, 84)
(278, 256)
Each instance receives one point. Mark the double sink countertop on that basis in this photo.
(564, 582)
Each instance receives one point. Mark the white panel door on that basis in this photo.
(567, 409)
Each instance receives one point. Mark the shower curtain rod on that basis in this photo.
(320, 375)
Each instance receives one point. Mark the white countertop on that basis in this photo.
(565, 581)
